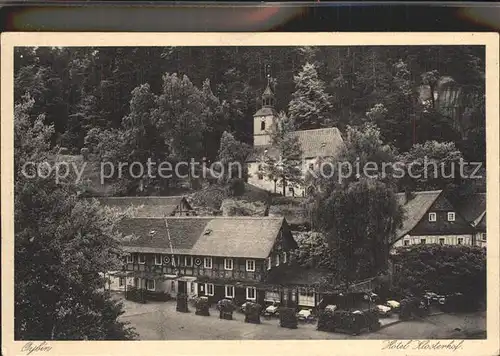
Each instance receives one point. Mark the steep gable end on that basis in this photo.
(442, 225)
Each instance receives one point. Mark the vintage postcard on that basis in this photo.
(250, 193)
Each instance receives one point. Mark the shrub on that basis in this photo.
(288, 318)
(136, 295)
(411, 307)
(347, 321)
(252, 313)
(202, 306)
(226, 305)
(325, 321)
(226, 308)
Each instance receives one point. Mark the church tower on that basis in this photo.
(265, 118)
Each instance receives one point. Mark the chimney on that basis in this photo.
(409, 195)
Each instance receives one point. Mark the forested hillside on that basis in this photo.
(131, 103)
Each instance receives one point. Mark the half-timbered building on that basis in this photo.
(430, 218)
(218, 257)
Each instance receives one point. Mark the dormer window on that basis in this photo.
(284, 257)
(269, 263)
(277, 260)
(451, 216)
(262, 125)
(432, 217)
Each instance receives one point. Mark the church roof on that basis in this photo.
(320, 142)
(266, 111)
(314, 143)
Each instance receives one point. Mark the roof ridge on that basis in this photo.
(321, 129)
(424, 192)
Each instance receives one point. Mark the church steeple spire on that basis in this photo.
(268, 95)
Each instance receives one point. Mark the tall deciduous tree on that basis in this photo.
(358, 221)
(310, 106)
(359, 213)
(434, 165)
(180, 115)
(232, 156)
(63, 247)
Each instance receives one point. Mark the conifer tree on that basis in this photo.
(310, 105)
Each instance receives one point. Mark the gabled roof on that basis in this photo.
(150, 234)
(473, 207)
(251, 237)
(480, 223)
(239, 236)
(147, 206)
(414, 209)
(320, 142)
(314, 143)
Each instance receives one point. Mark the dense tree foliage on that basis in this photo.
(433, 165)
(79, 89)
(129, 104)
(63, 248)
(358, 222)
(232, 157)
(359, 213)
(442, 269)
(310, 106)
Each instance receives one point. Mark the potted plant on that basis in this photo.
(137, 295)
(325, 321)
(226, 308)
(252, 313)
(182, 303)
(202, 306)
(288, 318)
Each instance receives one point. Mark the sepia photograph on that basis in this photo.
(250, 192)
